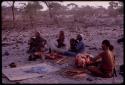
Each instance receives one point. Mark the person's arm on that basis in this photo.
(30, 41)
(45, 42)
(98, 57)
(55, 43)
(42, 40)
(80, 46)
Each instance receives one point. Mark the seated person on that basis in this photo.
(80, 45)
(59, 45)
(61, 39)
(73, 44)
(120, 40)
(107, 65)
(76, 46)
(36, 45)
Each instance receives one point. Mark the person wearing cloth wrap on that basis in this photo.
(36, 46)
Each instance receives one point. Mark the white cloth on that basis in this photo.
(53, 45)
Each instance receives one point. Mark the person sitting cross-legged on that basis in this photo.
(58, 45)
(36, 46)
(76, 46)
(106, 67)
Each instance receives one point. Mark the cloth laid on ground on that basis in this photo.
(37, 70)
(73, 73)
(52, 44)
(53, 56)
(29, 71)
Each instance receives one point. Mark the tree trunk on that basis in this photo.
(13, 14)
(56, 21)
(50, 14)
(30, 17)
(53, 17)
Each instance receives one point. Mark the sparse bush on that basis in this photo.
(61, 16)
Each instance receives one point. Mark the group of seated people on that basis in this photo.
(102, 65)
(38, 44)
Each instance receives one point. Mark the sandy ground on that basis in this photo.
(17, 46)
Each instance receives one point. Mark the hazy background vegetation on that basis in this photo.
(70, 16)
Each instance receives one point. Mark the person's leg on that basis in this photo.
(45, 49)
(32, 57)
(31, 52)
(53, 48)
(99, 72)
(95, 71)
(70, 53)
(60, 50)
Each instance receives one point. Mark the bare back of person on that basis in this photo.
(106, 66)
(107, 61)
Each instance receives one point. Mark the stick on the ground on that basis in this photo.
(60, 60)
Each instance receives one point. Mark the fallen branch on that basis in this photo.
(60, 60)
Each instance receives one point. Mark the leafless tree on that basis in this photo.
(30, 10)
(53, 8)
(12, 8)
(13, 14)
(115, 8)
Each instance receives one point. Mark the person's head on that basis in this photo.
(106, 45)
(111, 48)
(61, 35)
(37, 34)
(61, 32)
(72, 41)
(79, 37)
